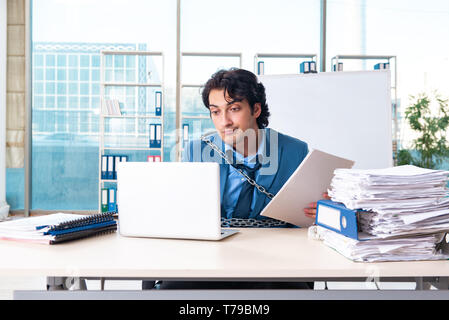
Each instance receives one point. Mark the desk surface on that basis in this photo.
(252, 253)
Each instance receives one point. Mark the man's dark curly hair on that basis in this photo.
(239, 84)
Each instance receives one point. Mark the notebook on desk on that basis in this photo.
(57, 227)
(170, 200)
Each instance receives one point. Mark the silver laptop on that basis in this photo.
(170, 200)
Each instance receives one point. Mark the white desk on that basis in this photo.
(252, 254)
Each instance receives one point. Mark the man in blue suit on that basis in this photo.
(255, 161)
(243, 142)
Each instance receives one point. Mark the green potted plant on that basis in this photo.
(430, 121)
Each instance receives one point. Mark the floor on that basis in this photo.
(9, 284)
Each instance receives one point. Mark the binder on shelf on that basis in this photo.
(110, 171)
(336, 217)
(112, 200)
(304, 67)
(154, 158)
(307, 67)
(313, 67)
(104, 200)
(104, 167)
(381, 66)
(185, 130)
(260, 68)
(152, 136)
(117, 159)
(158, 103)
(158, 135)
(123, 158)
(340, 67)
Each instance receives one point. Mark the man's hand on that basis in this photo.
(310, 211)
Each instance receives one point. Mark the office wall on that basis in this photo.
(344, 113)
(3, 26)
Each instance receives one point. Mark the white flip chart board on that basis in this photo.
(347, 114)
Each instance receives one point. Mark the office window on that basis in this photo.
(84, 74)
(38, 60)
(50, 87)
(62, 60)
(66, 86)
(62, 74)
(50, 60)
(50, 74)
(246, 27)
(62, 88)
(414, 31)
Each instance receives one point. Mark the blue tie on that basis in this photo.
(243, 207)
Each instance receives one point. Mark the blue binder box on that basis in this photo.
(336, 217)
(158, 103)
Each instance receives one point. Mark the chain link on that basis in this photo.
(251, 223)
(243, 173)
(245, 223)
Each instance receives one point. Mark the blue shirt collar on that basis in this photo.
(252, 158)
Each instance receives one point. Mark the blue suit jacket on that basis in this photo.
(283, 156)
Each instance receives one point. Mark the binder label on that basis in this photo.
(329, 217)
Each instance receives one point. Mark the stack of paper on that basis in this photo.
(405, 213)
(421, 247)
(33, 229)
(401, 200)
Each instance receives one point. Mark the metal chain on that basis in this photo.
(246, 223)
(251, 223)
(250, 181)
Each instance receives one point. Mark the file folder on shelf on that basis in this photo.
(304, 67)
(116, 161)
(336, 217)
(104, 200)
(340, 67)
(104, 167)
(185, 130)
(381, 66)
(154, 158)
(260, 68)
(112, 202)
(158, 103)
(110, 172)
(152, 136)
(158, 136)
(308, 67)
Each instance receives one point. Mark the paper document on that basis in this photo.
(307, 184)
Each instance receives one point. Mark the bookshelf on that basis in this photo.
(134, 81)
(197, 112)
(296, 56)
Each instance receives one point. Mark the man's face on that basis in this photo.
(232, 119)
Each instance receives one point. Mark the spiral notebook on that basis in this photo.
(58, 227)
